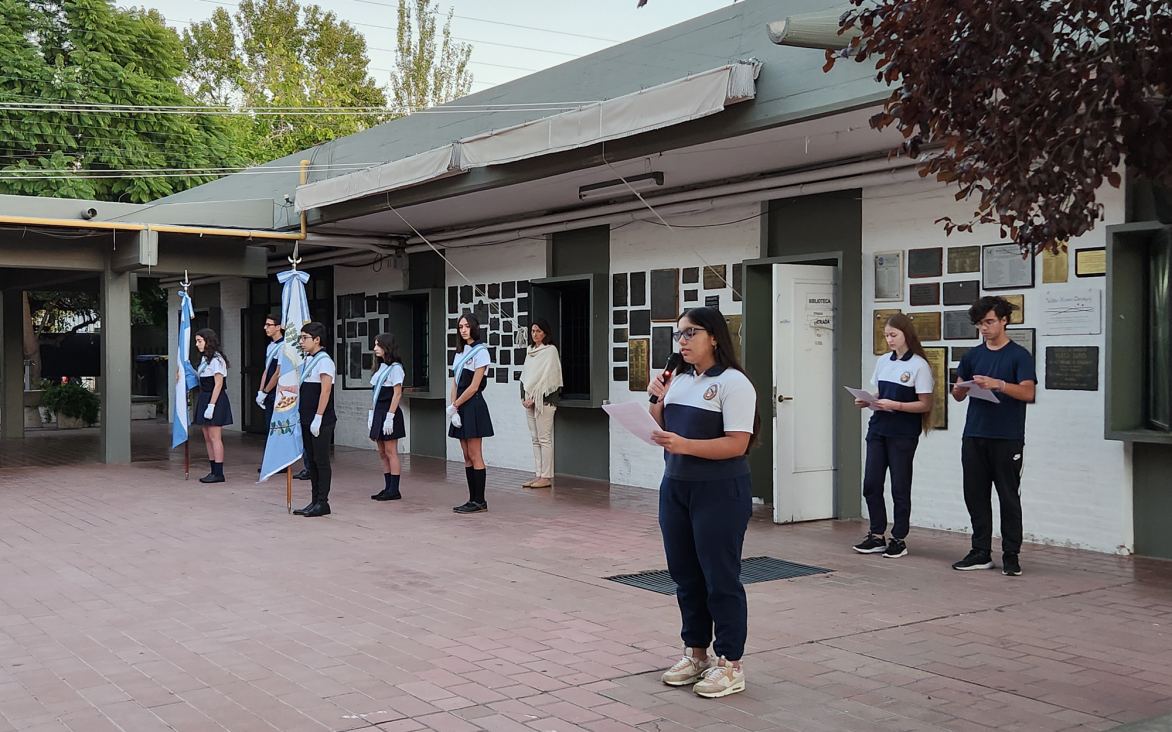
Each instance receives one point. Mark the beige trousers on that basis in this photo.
(541, 429)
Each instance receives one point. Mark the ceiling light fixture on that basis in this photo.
(620, 186)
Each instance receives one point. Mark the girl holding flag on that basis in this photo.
(468, 410)
(386, 418)
(212, 410)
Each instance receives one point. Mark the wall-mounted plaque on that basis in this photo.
(661, 347)
(1077, 312)
(878, 322)
(735, 323)
(958, 327)
(715, 277)
(1004, 268)
(639, 363)
(620, 335)
(665, 295)
(962, 260)
(618, 296)
(1056, 264)
(738, 281)
(453, 300)
(1017, 317)
(502, 376)
(640, 323)
(638, 289)
(494, 293)
(465, 294)
(1072, 368)
(923, 294)
(888, 278)
(619, 355)
(938, 360)
(925, 262)
(952, 377)
(691, 275)
(691, 295)
(712, 301)
(619, 317)
(965, 292)
(509, 290)
(958, 353)
(1025, 337)
(927, 326)
(1090, 262)
(622, 373)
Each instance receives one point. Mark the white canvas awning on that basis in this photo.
(673, 103)
(431, 165)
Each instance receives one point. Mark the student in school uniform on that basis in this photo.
(315, 399)
(266, 397)
(902, 412)
(468, 411)
(993, 445)
(212, 410)
(708, 414)
(386, 417)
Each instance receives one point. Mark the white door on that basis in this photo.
(804, 322)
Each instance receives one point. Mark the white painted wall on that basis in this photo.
(1076, 487)
(644, 246)
(352, 405)
(233, 298)
(511, 447)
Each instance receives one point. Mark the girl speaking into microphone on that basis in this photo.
(708, 414)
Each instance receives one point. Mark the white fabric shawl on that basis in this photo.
(541, 375)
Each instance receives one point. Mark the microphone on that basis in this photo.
(673, 362)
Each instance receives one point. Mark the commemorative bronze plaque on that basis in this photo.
(715, 277)
(665, 295)
(938, 360)
(1072, 368)
(878, 322)
(962, 260)
(925, 262)
(965, 292)
(638, 363)
(927, 325)
(922, 294)
(958, 327)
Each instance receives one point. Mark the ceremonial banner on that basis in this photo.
(185, 377)
(283, 447)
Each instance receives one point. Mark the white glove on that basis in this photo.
(260, 398)
(452, 411)
(389, 424)
(315, 425)
(456, 421)
(207, 413)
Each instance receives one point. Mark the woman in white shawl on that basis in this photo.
(541, 379)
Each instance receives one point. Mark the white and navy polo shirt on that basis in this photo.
(900, 380)
(704, 407)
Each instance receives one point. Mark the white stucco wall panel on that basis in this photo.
(1075, 485)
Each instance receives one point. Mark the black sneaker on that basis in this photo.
(895, 549)
(975, 560)
(471, 507)
(871, 545)
(1010, 567)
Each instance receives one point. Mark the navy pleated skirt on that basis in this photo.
(474, 418)
(223, 413)
(398, 431)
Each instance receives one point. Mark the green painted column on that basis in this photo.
(12, 367)
(116, 366)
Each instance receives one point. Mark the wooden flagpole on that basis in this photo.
(289, 489)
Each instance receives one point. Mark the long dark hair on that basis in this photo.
(712, 320)
(211, 344)
(904, 324)
(543, 325)
(473, 327)
(390, 348)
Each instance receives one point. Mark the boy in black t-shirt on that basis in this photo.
(994, 434)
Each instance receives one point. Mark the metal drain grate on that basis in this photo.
(755, 569)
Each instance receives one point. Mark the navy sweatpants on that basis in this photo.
(703, 525)
(893, 454)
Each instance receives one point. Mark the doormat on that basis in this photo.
(753, 570)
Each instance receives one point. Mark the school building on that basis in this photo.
(707, 164)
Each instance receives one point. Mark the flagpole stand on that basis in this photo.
(289, 489)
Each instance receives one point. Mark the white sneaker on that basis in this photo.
(688, 669)
(720, 680)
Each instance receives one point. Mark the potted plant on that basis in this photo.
(74, 405)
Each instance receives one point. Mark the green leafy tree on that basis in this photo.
(430, 68)
(87, 52)
(280, 54)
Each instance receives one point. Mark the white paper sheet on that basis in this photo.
(634, 418)
(977, 392)
(863, 396)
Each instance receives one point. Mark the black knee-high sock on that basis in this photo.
(394, 483)
(387, 481)
(218, 469)
(212, 466)
(481, 477)
(470, 473)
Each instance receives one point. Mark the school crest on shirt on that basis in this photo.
(905, 377)
(710, 394)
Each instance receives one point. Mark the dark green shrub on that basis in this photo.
(71, 400)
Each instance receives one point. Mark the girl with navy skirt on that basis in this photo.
(212, 410)
(707, 410)
(903, 410)
(469, 412)
(386, 417)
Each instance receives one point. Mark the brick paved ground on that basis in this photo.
(132, 600)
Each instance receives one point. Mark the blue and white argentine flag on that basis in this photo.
(185, 378)
(283, 447)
